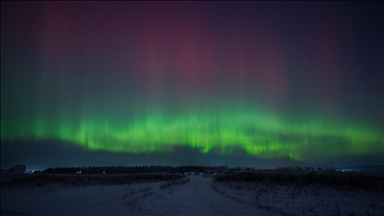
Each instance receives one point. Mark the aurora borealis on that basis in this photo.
(267, 81)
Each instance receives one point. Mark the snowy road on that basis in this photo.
(197, 198)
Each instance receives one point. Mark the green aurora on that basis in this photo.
(223, 131)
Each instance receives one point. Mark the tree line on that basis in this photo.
(134, 169)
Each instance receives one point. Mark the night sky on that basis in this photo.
(260, 84)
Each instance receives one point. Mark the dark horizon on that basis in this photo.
(41, 159)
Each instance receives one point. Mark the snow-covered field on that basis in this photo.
(199, 196)
(292, 200)
(196, 197)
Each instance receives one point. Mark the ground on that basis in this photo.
(199, 195)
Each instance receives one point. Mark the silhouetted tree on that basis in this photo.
(18, 169)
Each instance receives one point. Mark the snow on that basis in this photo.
(199, 196)
(192, 198)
